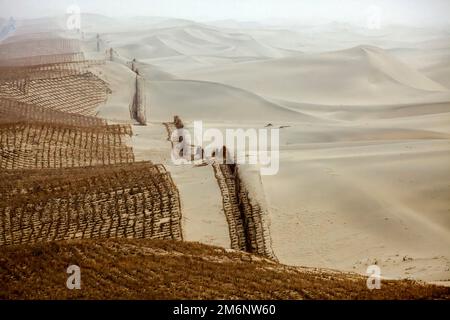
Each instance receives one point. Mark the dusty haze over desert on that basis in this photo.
(360, 92)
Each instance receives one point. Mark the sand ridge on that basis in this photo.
(364, 146)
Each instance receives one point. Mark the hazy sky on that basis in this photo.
(410, 12)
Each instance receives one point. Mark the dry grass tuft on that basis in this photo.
(154, 269)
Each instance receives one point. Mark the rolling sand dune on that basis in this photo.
(207, 101)
(362, 112)
(365, 143)
(400, 72)
(153, 47)
(194, 41)
(439, 73)
(361, 75)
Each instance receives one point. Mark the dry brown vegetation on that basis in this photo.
(42, 59)
(71, 92)
(248, 229)
(47, 110)
(71, 193)
(55, 76)
(138, 107)
(27, 49)
(136, 200)
(12, 111)
(152, 269)
(42, 145)
(47, 70)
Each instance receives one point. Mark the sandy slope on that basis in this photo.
(360, 75)
(364, 162)
(353, 205)
(121, 82)
(203, 100)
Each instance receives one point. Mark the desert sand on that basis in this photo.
(364, 169)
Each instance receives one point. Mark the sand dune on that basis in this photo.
(202, 100)
(439, 73)
(400, 72)
(361, 75)
(153, 48)
(366, 112)
(207, 101)
(367, 206)
(121, 81)
(364, 157)
(193, 40)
